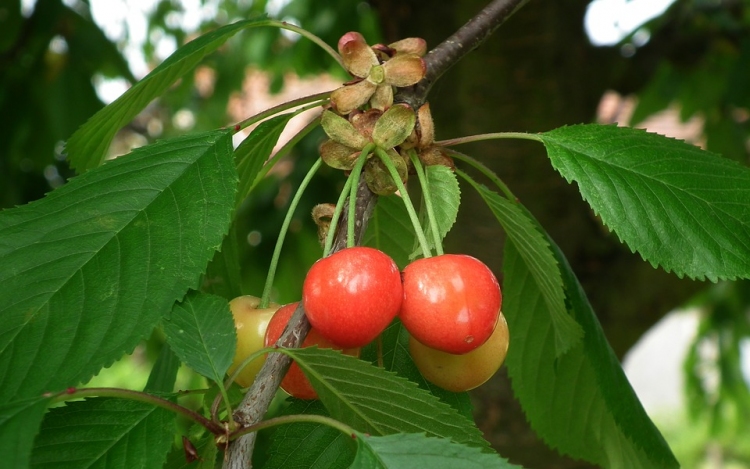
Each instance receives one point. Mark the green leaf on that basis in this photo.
(306, 444)
(379, 402)
(254, 151)
(390, 230)
(446, 198)
(394, 346)
(164, 373)
(407, 451)
(104, 433)
(223, 275)
(88, 146)
(680, 207)
(580, 403)
(88, 271)
(19, 424)
(536, 253)
(201, 332)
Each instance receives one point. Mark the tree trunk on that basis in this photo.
(537, 72)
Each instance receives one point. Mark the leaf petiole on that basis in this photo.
(316, 100)
(485, 171)
(492, 136)
(311, 418)
(250, 358)
(75, 393)
(228, 382)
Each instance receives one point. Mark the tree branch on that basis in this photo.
(438, 60)
(449, 52)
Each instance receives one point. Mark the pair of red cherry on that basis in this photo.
(450, 302)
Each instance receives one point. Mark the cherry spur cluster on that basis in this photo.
(449, 303)
(364, 123)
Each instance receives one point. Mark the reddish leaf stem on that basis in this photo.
(80, 393)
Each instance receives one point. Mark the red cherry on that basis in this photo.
(351, 296)
(295, 382)
(451, 302)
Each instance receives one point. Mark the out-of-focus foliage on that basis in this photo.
(47, 62)
(716, 387)
(50, 60)
(703, 66)
(276, 53)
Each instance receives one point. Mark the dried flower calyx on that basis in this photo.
(349, 137)
(385, 130)
(365, 116)
(422, 140)
(377, 70)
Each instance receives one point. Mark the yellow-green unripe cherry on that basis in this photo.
(458, 373)
(250, 323)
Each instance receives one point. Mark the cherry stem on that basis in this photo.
(407, 201)
(356, 173)
(485, 171)
(312, 37)
(250, 358)
(346, 191)
(265, 298)
(316, 100)
(492, 136)
(427, 197)
(139, 396)
(335, 217)
(287, 419)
